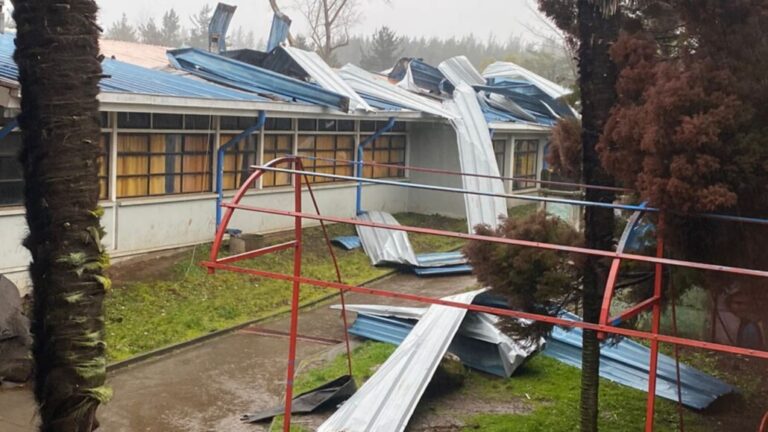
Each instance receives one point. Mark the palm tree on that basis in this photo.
(57, 52)
(598, 28)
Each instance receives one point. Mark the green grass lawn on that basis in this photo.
(549, 387)
(188, 303)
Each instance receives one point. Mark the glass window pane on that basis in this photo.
(134, 120)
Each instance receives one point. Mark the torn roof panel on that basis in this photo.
(281, 27)
(369, 85)
(507, 71)
(388, 399)
(384, 246)
(415, 75)
(476, 156)
(460, 70)
(246, 77)
(219, 25)
(326, 77)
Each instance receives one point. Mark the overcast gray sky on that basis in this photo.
(442, 18)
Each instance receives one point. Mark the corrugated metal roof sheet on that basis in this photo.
(127, 78)
(627, 363)
(243, 76)
(476, 156)
(281, 27)
(388, 399)
(219, 25)
(385, 246)
(371, 86)
(326, 77)
(460, 70)
(512, 72)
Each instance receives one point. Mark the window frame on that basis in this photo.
(532, 173)
(182, 154)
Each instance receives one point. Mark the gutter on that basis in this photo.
(220, 161)
(360, 152)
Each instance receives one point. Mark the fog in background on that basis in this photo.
(415, 18)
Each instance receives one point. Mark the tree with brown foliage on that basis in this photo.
(57, 52)
(565, 150)
(690, 131)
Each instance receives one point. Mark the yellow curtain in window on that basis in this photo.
(132, 165)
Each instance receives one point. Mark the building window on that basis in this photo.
(238, 160)
(277, 146)
(500, 150)
(373, 126)
(11, 177)
(387, 149)
(162, 164)
(336, 147)
(526, 162)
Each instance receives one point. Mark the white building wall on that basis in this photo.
(172, 222)
(435, 146)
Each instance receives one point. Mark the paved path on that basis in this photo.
(207, 387)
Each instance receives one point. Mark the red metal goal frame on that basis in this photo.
(607, 324)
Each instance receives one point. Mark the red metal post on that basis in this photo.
(655, 328)
(294, 306)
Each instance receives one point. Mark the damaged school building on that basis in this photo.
(166, 113)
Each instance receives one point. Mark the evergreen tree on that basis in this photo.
(150, 33)
(121, 30)
(301, 42)
(171, 32)
(198, 34)
(384, 50)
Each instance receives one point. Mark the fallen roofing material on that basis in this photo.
(246, 77)
(627, 363)
(385, 246)
(325, 396)
(479, 344)
(348, 242)
(388, 399)
(476, 156)
(326, 77)
(379, 88)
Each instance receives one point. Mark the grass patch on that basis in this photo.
(550, 387)
(189, 303)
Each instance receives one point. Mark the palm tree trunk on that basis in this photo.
(59, 70)
(597, 80)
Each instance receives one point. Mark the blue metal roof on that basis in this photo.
(239, 75)
(127, 78)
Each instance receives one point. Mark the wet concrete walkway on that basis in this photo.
(207, 387)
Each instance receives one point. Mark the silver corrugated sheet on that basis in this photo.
(385, 246)
(459, 70)
(476, 157)
(368, 84)
(388, 399)
(479, 344)
(326, 77)
(513, 72)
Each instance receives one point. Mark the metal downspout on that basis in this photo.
(360, 151)
(8, 128)
(220, 161)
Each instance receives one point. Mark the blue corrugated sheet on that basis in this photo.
(281, 26)
(424, 76)
(126, 78)
(625, 362)
(239, 75)
(453, 270)
(348, 242)
(219, 25)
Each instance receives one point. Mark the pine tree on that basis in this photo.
(385, 47)
(150, 33)
(198, 34)
(171, 32)
(121, 30)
